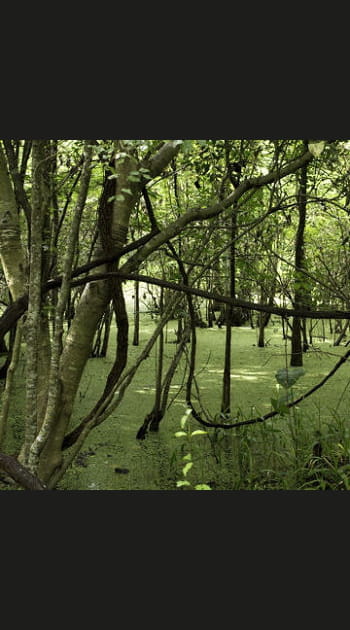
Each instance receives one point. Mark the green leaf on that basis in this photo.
(120, 198)
(145, 172)
(187, 146)
(283, 409)
(127, 191)
(133, 178)
(274, 403)
(288, 377)
(180, 434)
(198, 432)
(187, 457)
(111, 199)
(176, 143)
(186, 468)
(182, 483)
(279, 406)
(202, 486)
(316, 147)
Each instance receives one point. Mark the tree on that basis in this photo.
(113, 175)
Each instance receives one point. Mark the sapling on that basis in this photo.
(188, 457)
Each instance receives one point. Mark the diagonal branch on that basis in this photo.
(200, 214)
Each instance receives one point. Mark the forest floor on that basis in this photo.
(276, 454)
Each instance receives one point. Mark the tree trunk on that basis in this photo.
(342, 334)
(264, 319)
(53, 389)
(33, 326)
(107, 330)
(136, 337)
(299, 291)
(114, 216)
(6, 397)
(11, 250)
(226, 390)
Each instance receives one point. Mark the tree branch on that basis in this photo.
(265, 308)
(200, 214)
(271, 414)
(162, 158)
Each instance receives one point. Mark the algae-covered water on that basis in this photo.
(113, 459)
(156, 463)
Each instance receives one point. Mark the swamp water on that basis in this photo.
(113, 459)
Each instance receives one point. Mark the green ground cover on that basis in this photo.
(281, 453)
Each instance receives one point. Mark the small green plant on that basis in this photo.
(188, 458)
(286, 377)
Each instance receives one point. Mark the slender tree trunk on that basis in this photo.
(102, 334)
(299, 291)
(11, 250)
(263, 322)
(226, 391)
(304, 335)
(107, 330)
(6, 397)
(54, 390)
(153, 419)
(342, 334)
(264, 318)
(18, 179)
(135, 341)
(160, 358)
(8, 351)
(33, 326)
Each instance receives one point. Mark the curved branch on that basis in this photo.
(271, 414)
(182, 288)
(15, 310)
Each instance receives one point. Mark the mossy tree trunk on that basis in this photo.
(35, 326)
(114, 217)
